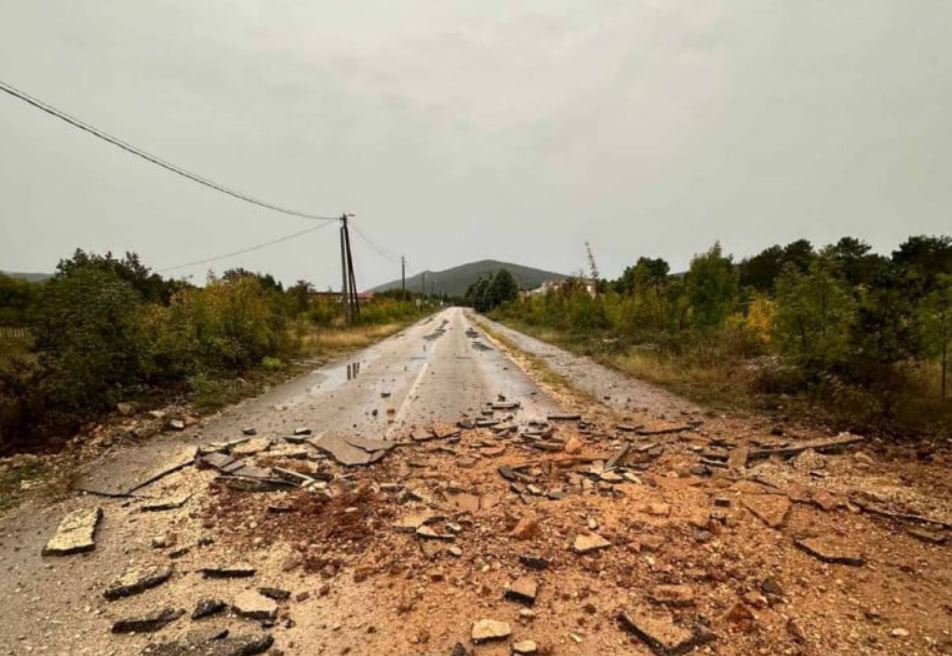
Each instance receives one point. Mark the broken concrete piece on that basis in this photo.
(167, 503)
(589, 542)
(662, 636)
(523, 590)
(75, 533)
(254, 606)
(830, 551)
(251, 447)
(136, 580)
(147, 623)
(771, 509)
(236, 571)
(487, 629)
(352, 451)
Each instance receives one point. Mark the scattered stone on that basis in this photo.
(464, 502)
(722, 502)
(611, 477)
(459, 650)
(534, 562)
(658, 509)
(75, 533)
(177, 425)
(771, 509)
(249, 431)
(352, 451)
(573, 445)
(589, 542)
(899, 633)
(252, 605)
(136, 580)
(525, 647)
(275, 593)
(825, 501)
(167, 503)
(148, 623)
(410, 523)
(428, 533)
(770, 586)
(302, 431)
(125, 409)
(673, 595)
(661, 635)
(208, 607)
(741, 616)
(251, 447)
(527, 528)
(236, 571)
(487, 629)
(830, 551)
(523, 590)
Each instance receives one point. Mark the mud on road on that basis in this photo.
(495, 510)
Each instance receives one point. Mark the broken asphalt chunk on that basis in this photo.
(275, 593)
(830, 551)
(254, 606)
(564, 417)
(488, 629)
(147, 623)
(75, 533)
(662, 636)
(236, 571)
(240, 645)
(352, 451)
(167, 503)
(136, 580)
(208, 607)
(523, 590)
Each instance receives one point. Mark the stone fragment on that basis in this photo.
(611, 477)
(249, 430)
(275, 593)
(771, 509)
(523, 590)
(410, 523)
(177, 425)
(831, 551)
(589, 542)
(459, 650)
(125, 409)
(166, 503)
(661, 635)
(302, 431)
(825, 501)
(525, 647)
(464, 502)
(488, 629)
(251, 447)
(208, 607)
(658, 509)
(527, 528)
(75, 533)
(573, 445)
(148, 623)
(254, 606)
(673, 595)
(534, 562)
(136, 580)
(235, 571)
(429, 533)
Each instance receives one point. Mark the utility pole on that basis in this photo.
(403, 275)
(348, 294)
(423, 285)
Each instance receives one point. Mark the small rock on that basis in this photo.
(673, 595)
(275, 593)
(899, 633)
(249, 430)
(527, 528)
(487, 629)
(236, 571)
(523, 590)
(252, 605)
(830, 551)
(589, 542)
(534, 562)
(525, 647)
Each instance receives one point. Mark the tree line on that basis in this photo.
(106, 329)
(839, 322)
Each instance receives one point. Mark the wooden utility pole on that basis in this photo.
(403, 275)
(349, 285)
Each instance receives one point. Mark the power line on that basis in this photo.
(115, 141)
(384, 252)
(245, 250)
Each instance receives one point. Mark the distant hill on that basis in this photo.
(29, 277)
(457, 280)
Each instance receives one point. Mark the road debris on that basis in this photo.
(136, 580)
(148, 623)
(485, 630)
(75, 533)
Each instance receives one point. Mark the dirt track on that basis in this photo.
(359, 584)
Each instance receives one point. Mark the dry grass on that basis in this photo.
(324, 340)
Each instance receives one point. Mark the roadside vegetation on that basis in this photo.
(107, 330)
(838, 334)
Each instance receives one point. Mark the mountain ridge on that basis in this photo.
(456, 280)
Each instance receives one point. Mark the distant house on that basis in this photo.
(558, 284)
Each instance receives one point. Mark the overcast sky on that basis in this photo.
(466, 130)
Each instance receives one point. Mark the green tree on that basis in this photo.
(503, 288)
(712, 287)
(814, 313)
(936, 324)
